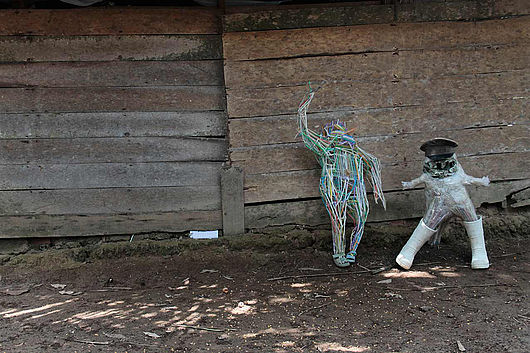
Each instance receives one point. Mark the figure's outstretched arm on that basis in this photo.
(311, 139)
(468, 179)
(413, 183)
(484, 181)
(373, 167)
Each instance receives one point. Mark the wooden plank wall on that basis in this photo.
(111, 121)
(397, 74)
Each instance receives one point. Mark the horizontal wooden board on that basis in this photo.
(88, 225)
(386, 121)
(109, 21)
(369, 38)
(511, 7)
(104, 99)
(108, 175)
(341, 14)
(106, 150)
(520, 198)
(377, 66)
(110, 201)
(305, 183)
(389, 149)
(430, 11)
(289, 17)
(110, 48)
(381, 94)
(113, 74)
(125, 124)
(400, 205)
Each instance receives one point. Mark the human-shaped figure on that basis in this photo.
(446, 196)
(342, 185)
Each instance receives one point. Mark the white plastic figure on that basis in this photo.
(446, 196)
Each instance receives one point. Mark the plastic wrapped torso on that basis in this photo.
(451, 188)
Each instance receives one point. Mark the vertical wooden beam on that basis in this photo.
(232, 200)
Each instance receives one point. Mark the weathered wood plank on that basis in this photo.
(389, 149)
(292, 16)
(511, 7)
(88, 225)
(521, 198)
(125, 124)
(108, 175)
(110, 201)
(101, 99)
(109, 21)
(110, 48)
(106, 150)
(304, 184)
(113, 74)
(382, 94)
(375, 66)
(232, 201)
(385, 121)
(369, 38)
(288, 17)
(400, 205)
(444, 11)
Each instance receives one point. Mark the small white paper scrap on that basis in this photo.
(151, 334)
(204, 234)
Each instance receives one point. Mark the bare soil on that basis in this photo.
(222, 299)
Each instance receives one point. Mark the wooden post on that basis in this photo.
(232, 200)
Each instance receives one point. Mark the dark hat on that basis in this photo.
(439, 148)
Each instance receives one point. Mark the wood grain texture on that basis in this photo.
(400, 205)
(105, 99)
(108, 175)
(294, 17)
(385, 121)
(89, 225)
(375, 67)
(511, 7)
(232, 201)
(109, 21)
(110, 201)
(101, 124)
(340, 14)
(304, 184)
(520, 198)
(107, 150)
(110, 48)
(389, 149)
(444, 11)
(381, 94)
(369, 38)
(112, 74)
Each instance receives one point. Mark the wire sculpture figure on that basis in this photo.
(342, 186)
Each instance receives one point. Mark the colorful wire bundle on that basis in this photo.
(342, 185)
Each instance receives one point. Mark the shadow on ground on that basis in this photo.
(276, 292)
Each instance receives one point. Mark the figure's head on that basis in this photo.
(334, 128)
(336, 133)
(439, 148)
(440, 159)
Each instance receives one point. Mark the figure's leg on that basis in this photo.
(339, 239)
(358, 212)
(475, 232)
(330, 190)
(436, 213)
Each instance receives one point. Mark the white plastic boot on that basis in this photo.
(479, 256)
(421, 234)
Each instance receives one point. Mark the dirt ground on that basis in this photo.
(220, 299)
